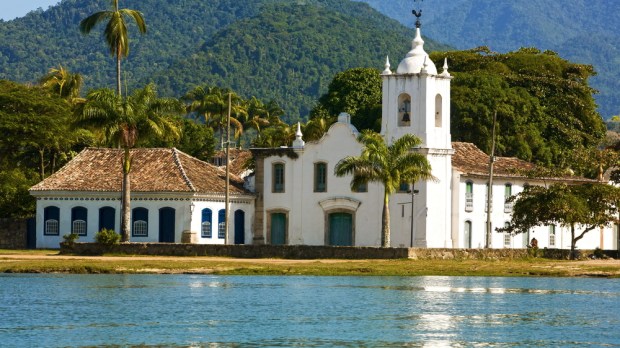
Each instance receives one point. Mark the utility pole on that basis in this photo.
(227, 200)
(490, 184)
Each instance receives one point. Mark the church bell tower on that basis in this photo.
(416, 100)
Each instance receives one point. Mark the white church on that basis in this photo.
(293, 196)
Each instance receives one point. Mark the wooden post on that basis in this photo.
(487, 244)
(227, 203)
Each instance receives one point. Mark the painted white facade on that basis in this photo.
(444, 215)
(187, 216)
(306, 210)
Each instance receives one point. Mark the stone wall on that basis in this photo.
(13, 233)
(311, 252)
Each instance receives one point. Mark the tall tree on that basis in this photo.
(388, 165)
(212, 104)
(123, 122)
(355, 91)
(115, 32)
(586, 206)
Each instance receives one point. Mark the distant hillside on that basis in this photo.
(582, 31)
(274, 49)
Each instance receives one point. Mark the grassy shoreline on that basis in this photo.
(49, 261)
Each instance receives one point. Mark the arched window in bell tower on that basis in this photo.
(438, 111)
(404, 110)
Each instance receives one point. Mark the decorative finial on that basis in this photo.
(298, 142)
(417, 14)
(424, 69)
(387, 70)
(445, 72)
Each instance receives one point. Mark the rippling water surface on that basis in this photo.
(260, 311)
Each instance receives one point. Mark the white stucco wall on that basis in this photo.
(307, 210)
(184, 219)
(604, 239)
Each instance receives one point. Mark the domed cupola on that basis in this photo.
(417, 59)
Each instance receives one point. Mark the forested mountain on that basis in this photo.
(274, 49)
(583, 31)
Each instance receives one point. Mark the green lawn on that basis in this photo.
(48, 261)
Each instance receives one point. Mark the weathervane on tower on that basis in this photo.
(417, 14)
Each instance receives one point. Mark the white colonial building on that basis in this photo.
(301, 201)
(174, 198)
(293, 196)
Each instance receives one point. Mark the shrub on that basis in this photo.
(107, 237)
(70, 238)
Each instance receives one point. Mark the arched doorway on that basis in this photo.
(107, 218)
(239, 227)
(166, 225)
(340, 229)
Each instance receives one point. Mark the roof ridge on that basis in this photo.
(177, 160)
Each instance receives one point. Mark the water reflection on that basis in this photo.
(217, 311)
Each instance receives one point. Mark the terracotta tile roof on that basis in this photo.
(238, 160)
(472, 161)
(153, 170)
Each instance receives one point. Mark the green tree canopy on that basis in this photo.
(545, 106)
(584, 207)
(357, 92)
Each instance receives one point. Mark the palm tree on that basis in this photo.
(212, 104)
(123, 121)
(63, 83)
(388, 165)
(115, 32)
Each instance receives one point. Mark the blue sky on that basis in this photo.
(10, 9)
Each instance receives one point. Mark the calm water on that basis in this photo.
(242, 311)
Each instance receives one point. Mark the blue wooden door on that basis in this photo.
(239, 227)
(340, 229)
(166, 225)
(107, 217)
(278, 228)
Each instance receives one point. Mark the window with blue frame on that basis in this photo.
(320, 177)
(221, 224)
(278, 178)
(205, 227)
(139, 222)
(51, 218)
(79, 218)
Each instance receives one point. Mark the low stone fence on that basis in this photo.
(13, 233)
(313, 252)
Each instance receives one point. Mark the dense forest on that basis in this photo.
(273, 49)
(277, 62)
(582, 31)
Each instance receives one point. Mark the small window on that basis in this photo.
(140, 226)
(320, 177)
(278, 178)
(404, 110)
(404, 187)
(507, 194)
(206, 230)
(79, 217)
(221, 224)
(438, 111)
(51, 216)
(362, 187)
(552, 236)
(51, 228)
(469, 196)
(507, 237)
